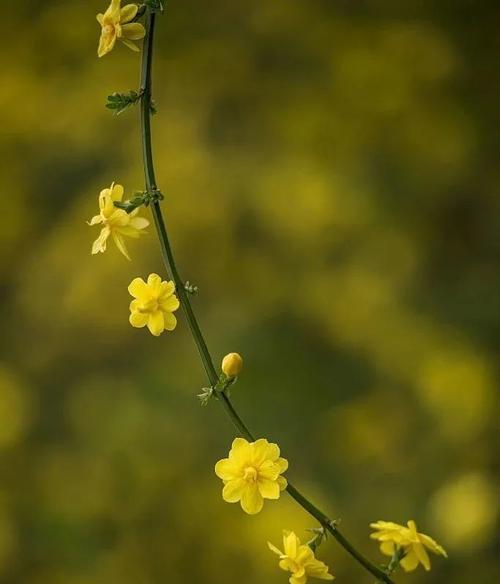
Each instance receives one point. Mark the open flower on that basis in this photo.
(116, 222)
(299, 559)
(154, 303)
(115, 24)
(392, 536)
(252, 473)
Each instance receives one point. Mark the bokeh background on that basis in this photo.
(332, 186)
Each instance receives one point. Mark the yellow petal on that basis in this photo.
(274, 549)
(138, 288)
(154, 282)
(169, 321)
(282, 482)
(120, 244)
(269, 489)
(95, 220)
(138, 319)
(139, 222)
(240, 451)
(282, 464)
(128, 13)
(422, 555)
(432, 545)
(156, 323)
(409, 562)
(233, 490)
(132, 46)
(106, 43)
(99, 245)
(263, 450)
(170, 304)
(133, 31)
(291, 543)
(100, 18)
(166, 290)
(226, 470)
(117, 192)
(387, 548)
(251, 500)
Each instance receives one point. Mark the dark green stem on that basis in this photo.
(169, 260)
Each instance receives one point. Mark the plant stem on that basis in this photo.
(169, 260)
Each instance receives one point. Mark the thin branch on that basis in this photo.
(169, 260)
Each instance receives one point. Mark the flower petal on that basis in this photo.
(138, 319)
(387, 548)
(251, 500)
(117, 192)
(139, 222)
(106, 43)
(233, 490)
(170, 304)
(138, 288)
(156, 323)
(432, 545)
(274, 549)
(263, 450)
(133, 31)
(268, 489)
(128, 13)
(99, 245)
(240, 451)
(169, 321)
(409, 562)
(226, 470)
(291, 543)
(422, 555)
(95, 220)
(154, 282)
(166, 290)
(130, 45)
(120, 244)
(282, 482)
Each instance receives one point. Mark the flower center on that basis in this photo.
(150, 305)
(108, 29)
(250, 474)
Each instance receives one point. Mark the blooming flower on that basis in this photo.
(154, 303)
(232, 364)
(116, 222)
(252, 473)
(299, 560)
(392, 535)
(115, 24)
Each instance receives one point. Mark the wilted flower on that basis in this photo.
(252, 473)
(392, 536)
(115, 24)
(116, 222)
(232, 364)
(299, 559)
(154, 303)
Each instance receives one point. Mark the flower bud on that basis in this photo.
(232, 364)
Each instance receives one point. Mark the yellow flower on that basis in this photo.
(232, 364)
(154, 303)
(252, 473)
(115, 24)
(299, 560)
(413, 543)
(116, 222)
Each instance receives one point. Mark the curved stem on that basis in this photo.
(169, 260)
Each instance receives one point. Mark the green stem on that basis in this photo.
(169, 260)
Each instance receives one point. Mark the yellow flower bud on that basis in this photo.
(232, 364)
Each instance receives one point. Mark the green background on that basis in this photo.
(332, 186)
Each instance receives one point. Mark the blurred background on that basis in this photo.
(332, 186)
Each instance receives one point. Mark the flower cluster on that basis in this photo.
(393, 536)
